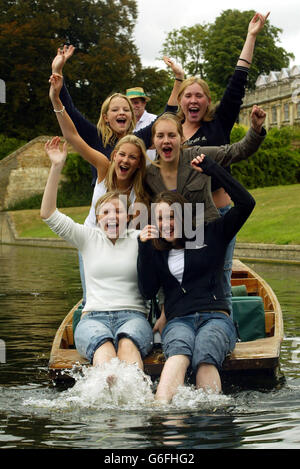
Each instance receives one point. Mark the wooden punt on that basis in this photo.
(249, 358)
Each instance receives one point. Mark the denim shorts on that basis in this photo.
(98, 327)
(204, 337)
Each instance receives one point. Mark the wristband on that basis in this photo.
(60, 111)
(244, 60)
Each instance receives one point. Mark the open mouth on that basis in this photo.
(167, 233)
(193, 111)
(121, 120)
(111, 227)
(124, 169)
(167, 151)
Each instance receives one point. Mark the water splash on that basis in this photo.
(110, 386)
(117, 385)
(188, 397)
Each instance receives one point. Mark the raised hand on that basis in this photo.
(258, 117)
(177, 69)
(56, 155)
(257, 23)
(63, 54)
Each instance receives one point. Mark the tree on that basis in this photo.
(185, 45)
(224, 42)
(106, 57)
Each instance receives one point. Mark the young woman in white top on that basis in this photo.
(115, 320)
(125, 171)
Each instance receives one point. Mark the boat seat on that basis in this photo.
(76, 317)
(239, 290)
(249, 315)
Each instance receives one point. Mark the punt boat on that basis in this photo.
(258, 317)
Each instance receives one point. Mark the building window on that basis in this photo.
(286, 112)
(274, 114)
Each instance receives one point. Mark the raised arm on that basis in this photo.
(255, 26)
(247, 146)
(244, 203)
(179, 77)
(57, 158)
(230, 104)
(94, 157)
(86, 129)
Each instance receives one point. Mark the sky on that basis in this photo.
(158, 17)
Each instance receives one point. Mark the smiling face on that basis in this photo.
(194, 103)
(167, 222)
(167, 140)
(119, 115)
(127, 161)
(112, 218)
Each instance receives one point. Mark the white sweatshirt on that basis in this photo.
(110, 269)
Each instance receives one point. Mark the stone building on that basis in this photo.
(24, 172)
(278, 93)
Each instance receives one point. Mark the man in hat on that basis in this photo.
(139, 100)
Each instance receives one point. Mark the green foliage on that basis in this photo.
(105, 60)
(77, 190)
(186, 46)
(277, 162)
(9, 145)
(224, 42)
(157, 85)
(212, 50)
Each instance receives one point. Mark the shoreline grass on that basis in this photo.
(275, 219)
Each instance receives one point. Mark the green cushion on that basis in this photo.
(76, 317)
(239, 290)
(248, 312)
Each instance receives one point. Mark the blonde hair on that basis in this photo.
(139, 175)
(208, 116)
(107, 133)
(112, 195)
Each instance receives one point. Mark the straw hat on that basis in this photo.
(137, 92)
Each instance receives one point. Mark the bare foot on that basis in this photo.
(111, 380)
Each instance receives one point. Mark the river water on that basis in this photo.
(37, 288)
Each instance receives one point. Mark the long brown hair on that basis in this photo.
(178, 202)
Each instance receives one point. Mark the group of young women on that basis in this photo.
(122, 267)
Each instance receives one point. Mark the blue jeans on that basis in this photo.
(206, 337)
(228, 261)
(98, 327)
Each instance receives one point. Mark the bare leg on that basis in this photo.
(172, 376)
(104, 353)
(208, 378)
(129, 353)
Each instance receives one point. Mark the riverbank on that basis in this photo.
(244, 251)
